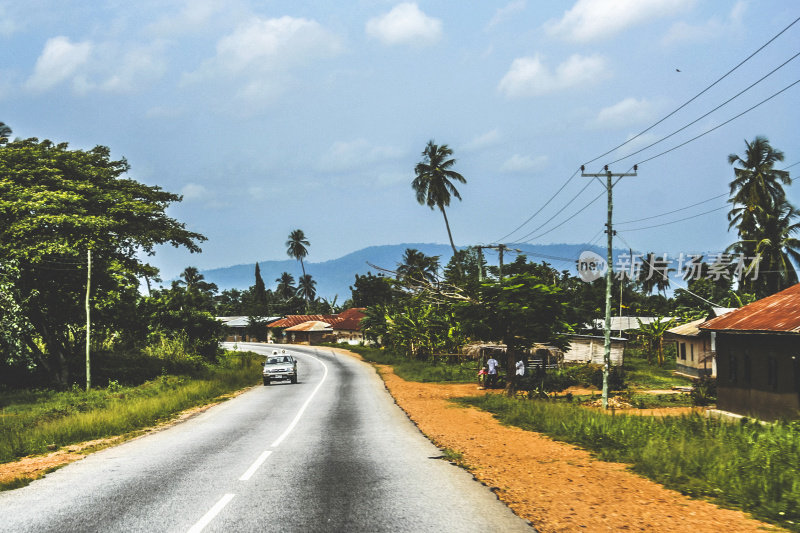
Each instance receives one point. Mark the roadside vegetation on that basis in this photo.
(442, 371)
(745, 464)
(38, 421)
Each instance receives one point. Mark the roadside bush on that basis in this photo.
(704, 391)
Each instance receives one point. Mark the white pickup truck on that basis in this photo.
(280, 366)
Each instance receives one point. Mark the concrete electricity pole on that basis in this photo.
(610, 231)
(88, 318)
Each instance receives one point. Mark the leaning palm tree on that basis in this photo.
(296, 247)
(285, 288)
(756, 185)
(307, 288)
(191, 277)
(434, 181)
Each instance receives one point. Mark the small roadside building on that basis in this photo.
(238, 328)
(347, 326)
(758, 357)
(694, 355)
(311, 332)
(591, 349)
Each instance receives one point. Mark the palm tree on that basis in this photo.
(296, 247)
(434, 180)
(655, 274)
(775, 242)
(285, 287)
(307, 288)
(756, 185)
(191, 277)
(5, 131)
(418, 267)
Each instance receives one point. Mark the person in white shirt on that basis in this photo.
(492, 364)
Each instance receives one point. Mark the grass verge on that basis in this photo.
(639, 374)
(748, 466)
(33, 422)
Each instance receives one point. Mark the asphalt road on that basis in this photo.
(331, 453)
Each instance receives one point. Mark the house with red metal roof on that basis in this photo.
(758, 357)
(342, 327)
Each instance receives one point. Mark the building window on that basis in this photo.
(773, 374)
(732, 369)
(683, 351)
(691, 350)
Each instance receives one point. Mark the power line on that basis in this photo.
(671, 212)
(539, 210)
(695, 97)
(679, 220)
(701, 117)
(720, 125)
(557, 213)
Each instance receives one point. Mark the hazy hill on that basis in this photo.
(334, 277)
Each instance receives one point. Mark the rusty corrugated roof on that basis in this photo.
(690, 329)
(293, 320)
(779, 313)
(311, 325)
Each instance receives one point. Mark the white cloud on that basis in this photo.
(195, 15)
(59, 61)
(683, 32)
(132, 68)
(194, 191)
(628, 111)
(357, 154)
(264, 44)
(490, 138)
(405, 24)
(258, 57)
(8, 26)
(595, 19)
(524, 163)
(528, 76)
(506, 12)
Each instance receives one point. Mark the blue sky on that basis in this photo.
(269, 116)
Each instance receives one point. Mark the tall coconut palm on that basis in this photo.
(434, 179)
(756, 185)
(774, 240)
(307, 288)
(296, 247)
(285, 288)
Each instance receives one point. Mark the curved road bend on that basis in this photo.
(332, 453)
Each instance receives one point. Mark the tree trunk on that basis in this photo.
(447, 224)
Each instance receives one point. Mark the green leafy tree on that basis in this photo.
(518, 311)
(369, 290)
(57, 203)
(5, 132)
(434, 179)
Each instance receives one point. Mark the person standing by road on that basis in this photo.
(492, 364)
(520, 371)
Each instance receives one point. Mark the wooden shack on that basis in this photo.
(591, 349)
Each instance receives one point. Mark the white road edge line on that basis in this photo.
(302, 409)
(209, 516)
(252, 470)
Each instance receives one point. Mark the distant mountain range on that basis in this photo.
(335, 277)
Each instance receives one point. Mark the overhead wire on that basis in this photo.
(678, 220)
(720, 125)
(501, 239)
(701, 117)
(695, 97)
(671, 212)
(557, 213)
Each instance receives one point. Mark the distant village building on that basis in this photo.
(758, 357)
(694, 355)
(344, 327)
(237, 328)
(624, 324)
(591, 349)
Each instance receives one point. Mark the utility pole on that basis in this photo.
(610, 261)
(88, 318)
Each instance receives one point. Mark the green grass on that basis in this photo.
(421, 371)
(643, 376)
(32, 421)
(748, 466)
